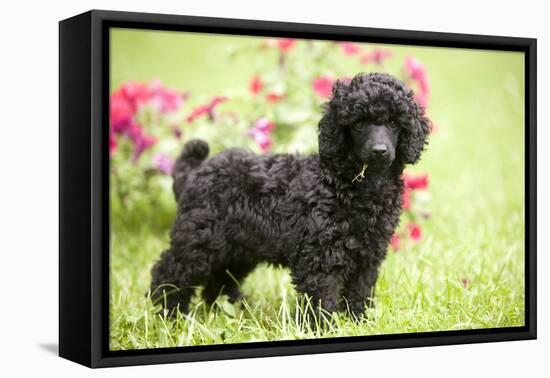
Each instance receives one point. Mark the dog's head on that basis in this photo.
(372, 120)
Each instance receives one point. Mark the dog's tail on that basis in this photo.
(193, 154)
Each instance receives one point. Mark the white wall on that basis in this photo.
(28, 185)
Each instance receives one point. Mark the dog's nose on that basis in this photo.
(379, 150)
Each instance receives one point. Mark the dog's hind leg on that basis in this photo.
(175, 277)
(227, 281)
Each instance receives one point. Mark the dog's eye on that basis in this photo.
(357, 126)
(393, 124)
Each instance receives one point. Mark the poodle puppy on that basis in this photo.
(328, 217)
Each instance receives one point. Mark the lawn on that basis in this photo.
(466, 271)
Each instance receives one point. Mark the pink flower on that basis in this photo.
(395, 242)
(264, 125)
(350, 48)
(322, 85)
(419, 182)
(417, 74)
(406, 198)
(163, 163)
(260, 132)
(263, 140)
(415, 69)
(206, 109)
(166, 100)
(256, 85)
(377, 56)
(274, 97)
(415, 232)
(465, 282)
(285, 44)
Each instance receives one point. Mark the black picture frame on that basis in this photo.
(84, 187)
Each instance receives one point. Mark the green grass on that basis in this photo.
(475, 232)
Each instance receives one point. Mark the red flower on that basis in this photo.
(206, 109)
(285, 44)
(274, 97)
(377, 56)
(350, 48)
(419, 182)
(256, 85)
(135, 93)
(394, 242)
(322, 85)
(415, 232)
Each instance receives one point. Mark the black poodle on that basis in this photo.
(328, 216)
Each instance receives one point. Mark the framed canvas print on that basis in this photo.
(235, 188)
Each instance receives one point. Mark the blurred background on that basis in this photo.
(456, 262)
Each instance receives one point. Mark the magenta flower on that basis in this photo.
(177, 131)
(112, 143)
(125, 103)
(121, 113)
(163, 163)
(377, 56)
(350, 48)
(141, 141)
(322, 85)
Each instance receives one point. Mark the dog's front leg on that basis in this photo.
(360, 290)
(324, 289)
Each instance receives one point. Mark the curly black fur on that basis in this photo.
(238, 209)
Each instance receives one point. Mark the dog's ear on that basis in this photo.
(414, 136)
(331, 134)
